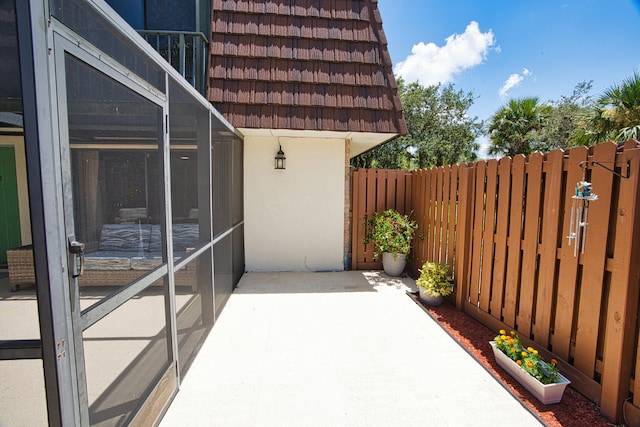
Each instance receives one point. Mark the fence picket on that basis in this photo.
(476, 252)
(486, 275)
(550, 240)
(446, 217)
(502, 224)
(420, 215)
(530, 244)
(454, 177)
(437, 247)
(514, 241)
(464, 222)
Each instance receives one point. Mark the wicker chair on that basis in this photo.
(20, 263)
(116, 263)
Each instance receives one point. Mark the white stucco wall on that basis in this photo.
(294, 218)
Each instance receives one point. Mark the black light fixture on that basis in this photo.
(281, 160)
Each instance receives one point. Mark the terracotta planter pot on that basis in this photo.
(545, 393)
(394, 267)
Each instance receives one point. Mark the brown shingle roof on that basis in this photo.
(304, 65)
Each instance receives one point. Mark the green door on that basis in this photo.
(9, 210)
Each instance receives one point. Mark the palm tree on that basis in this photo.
(515, 127)
(616, 113)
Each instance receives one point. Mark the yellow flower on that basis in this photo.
(535, 351)
(524, 354)
(503, 332)
(530, 348)
(513, 350)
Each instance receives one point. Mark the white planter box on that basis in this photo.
(545, 393)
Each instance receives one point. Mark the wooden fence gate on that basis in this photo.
(527, 255)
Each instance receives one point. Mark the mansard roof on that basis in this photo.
(318, 65)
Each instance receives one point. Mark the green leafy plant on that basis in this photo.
(390, 232)
(434, 279)
(528, 358)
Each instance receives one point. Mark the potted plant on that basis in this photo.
(434, 283)
(527, 366)
(392, 235)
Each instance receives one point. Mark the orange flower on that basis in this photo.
(554, 361)
(519, 362)
(530, 364)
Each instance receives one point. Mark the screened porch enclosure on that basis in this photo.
(135, 205)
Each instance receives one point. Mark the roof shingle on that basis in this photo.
(304, 65)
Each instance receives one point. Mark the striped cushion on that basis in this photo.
(125, 237)
(155, 240)
(185, 236)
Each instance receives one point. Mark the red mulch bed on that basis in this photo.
(574, 410)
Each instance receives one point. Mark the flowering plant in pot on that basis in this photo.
(434, 283)
(527, 366)
(392, 236)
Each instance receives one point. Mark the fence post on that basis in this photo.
(622, 310)
(462, 258)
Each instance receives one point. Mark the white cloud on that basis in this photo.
(483, 151)
(431, 64)
(513, 81)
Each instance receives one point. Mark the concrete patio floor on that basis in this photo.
(336, 349)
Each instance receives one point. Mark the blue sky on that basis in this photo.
(501, 49)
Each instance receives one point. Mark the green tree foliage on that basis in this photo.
(440, 131)
(391, 155)
(516, 127)
(566, 119)
(615, 115)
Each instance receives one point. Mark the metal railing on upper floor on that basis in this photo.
(186, 51)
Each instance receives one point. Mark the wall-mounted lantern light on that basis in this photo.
(281, 160)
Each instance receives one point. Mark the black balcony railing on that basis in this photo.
(185, 51)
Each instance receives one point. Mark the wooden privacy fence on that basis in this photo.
(503, 228)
